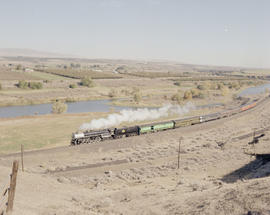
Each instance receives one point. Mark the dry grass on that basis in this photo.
(40, 131)
(11, 75)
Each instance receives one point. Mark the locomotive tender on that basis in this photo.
(114, 133)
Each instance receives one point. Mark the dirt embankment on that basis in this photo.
(139, 175)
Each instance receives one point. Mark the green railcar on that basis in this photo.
(163, 126)
(156, 127)
(145, 129)
(187, 122)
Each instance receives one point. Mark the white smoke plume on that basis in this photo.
(140, 114)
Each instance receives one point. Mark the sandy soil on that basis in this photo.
(139, 175)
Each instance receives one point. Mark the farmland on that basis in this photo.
(153, 83)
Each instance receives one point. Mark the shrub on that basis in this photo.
(137, 97)
(220, 86)
(59, 107)
(236, 97)
(188, 95)
(201, 87)
(32, 85)
(35, 85)
(112, 93)
(135, 90)
(225, 91)
(19, 67)
(178, 83)
(201, 95)
(121, 69)
(205, 86)
(70, 100)
(87, 82)
(236, 85)
(126, 92)
(22, 84)
(195, 93)
(177, 97)
(0, 86)
(72, 86)
(213, 85)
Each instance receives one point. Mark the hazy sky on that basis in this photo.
(220, 32)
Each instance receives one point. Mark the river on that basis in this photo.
(72, 107)
(92, 106)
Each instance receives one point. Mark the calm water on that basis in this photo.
(255, 90)
(74, 107)
(93, 106)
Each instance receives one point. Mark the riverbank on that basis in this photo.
(150, 97)
(151, 92)
(52, 130)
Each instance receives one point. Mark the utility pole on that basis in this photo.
(22, 157)
(178, 163)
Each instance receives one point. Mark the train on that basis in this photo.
(90, 136)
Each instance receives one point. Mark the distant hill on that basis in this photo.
(10, 52)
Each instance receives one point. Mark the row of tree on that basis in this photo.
(31, 85)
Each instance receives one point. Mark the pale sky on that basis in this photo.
(217, 32)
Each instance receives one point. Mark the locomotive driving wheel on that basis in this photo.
(98, 139)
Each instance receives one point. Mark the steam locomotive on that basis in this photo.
(87, 137)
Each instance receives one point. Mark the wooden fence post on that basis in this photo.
(11, 192)
(178, 164)
(22, 158)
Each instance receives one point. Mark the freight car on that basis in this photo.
(96, 136)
